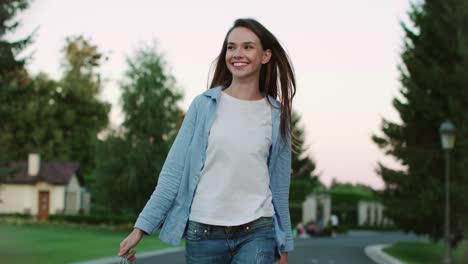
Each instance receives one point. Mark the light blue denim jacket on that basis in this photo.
(171, 201)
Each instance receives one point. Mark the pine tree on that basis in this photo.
(434, 80)
(9, 62)
(14, 80)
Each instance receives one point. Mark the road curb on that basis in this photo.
(376, 253)
(114, 260)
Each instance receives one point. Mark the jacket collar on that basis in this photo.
(215, 93)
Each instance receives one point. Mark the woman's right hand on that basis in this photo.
(130, 242)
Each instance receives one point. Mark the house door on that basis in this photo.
(43, 211)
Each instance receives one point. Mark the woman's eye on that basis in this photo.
(230, 47)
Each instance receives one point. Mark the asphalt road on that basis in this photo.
(343, 249)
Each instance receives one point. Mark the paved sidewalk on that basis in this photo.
(376, 253)
(116, 259)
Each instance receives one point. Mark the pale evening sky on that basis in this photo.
(345, 55)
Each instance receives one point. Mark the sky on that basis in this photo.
(345, 55)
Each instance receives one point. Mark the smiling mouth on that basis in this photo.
(239, 65)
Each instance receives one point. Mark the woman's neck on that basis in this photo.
(244, 90)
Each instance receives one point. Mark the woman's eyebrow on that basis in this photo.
(245, 43)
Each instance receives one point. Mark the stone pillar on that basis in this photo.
(380, 214)
(326, 201)
(362, 212)
(371, 217)
(309, 208)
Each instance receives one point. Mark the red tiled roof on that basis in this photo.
(57, 173)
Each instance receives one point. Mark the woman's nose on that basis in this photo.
(237, 53)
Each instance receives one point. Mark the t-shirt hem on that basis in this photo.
(231, 222)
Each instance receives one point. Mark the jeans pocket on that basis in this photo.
(195, 231)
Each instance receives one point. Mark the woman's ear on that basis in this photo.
(266, 56)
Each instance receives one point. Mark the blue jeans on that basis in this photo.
(253, 242)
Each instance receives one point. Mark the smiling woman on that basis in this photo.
(227, 175)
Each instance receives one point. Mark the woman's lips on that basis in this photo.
(239, 65)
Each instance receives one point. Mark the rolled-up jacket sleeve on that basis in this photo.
(157, 207)
(283, 171)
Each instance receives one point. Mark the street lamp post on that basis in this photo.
(447, 138)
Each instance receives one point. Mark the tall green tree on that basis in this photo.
(14, 80)
(434, 80)
(83, 114)
(129, 161)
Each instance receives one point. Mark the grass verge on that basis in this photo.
(415, 252)
(63, 244)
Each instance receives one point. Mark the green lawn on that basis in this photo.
(424, 252)
(59, 244)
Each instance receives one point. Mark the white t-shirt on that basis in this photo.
(234, 182)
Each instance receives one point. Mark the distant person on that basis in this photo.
(320, 226)
(227, 175)
(334, 224)
(301, 231)
(312, 228)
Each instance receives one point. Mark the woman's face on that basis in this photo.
(245, 54)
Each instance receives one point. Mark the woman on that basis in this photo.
(225, 183)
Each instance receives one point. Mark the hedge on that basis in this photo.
(95, 219)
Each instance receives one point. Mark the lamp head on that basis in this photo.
(447, 135)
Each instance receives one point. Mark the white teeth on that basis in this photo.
(239, 64)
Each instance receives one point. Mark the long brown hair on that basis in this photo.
(276, 77)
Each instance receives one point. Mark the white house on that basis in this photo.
(44, 188)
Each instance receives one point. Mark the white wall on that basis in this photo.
(74, 184)
(21, 198)
(76, 197)
(15, 198)
(72, 196)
